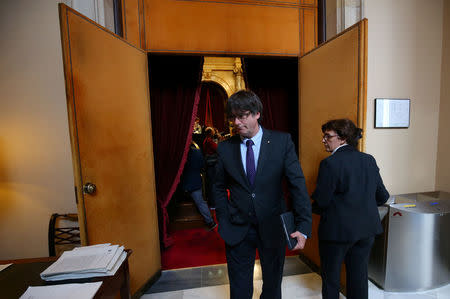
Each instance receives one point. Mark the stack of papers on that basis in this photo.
(66, 291)
(86, 262)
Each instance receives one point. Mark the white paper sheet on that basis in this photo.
(67, 291)
(3, 267)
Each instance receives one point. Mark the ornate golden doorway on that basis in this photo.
(211, 107)
(225, 71)
(219, 74)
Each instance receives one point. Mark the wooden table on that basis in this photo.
(23, 273)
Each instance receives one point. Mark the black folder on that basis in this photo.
(287, 221)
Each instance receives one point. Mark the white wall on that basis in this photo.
(36, 177)
(405, 52)
(443, 157)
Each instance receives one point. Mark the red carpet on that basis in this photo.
(192, 248)
(196, 247)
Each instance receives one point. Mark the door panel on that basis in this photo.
(255, 27)
(109, 119)
(333, 84)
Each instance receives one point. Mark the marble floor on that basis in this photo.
(299, 281)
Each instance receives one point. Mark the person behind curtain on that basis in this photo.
(197, 126)
(191, 182)
(349, 189)
(198, 133)
(251, 166)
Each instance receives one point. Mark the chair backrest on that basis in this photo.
(63, 233)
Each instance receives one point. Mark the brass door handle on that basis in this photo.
(89, 188)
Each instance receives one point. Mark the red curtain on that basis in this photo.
(174, 96)
(217, 98)
(208, 114)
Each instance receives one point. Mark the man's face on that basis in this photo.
(246, 123)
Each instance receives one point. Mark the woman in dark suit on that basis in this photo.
(349, 189)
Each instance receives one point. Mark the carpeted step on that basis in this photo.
(186, 209)
(185, 216)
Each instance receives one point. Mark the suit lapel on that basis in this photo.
(264, 151)
(238, 161)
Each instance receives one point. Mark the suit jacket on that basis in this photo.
(191, 179)
(277, 158)
(349, 189)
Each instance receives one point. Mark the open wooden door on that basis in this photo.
(109, 119)
(333, 84)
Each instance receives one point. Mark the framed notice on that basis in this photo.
(392, 113)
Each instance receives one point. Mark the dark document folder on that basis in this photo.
(287, 221)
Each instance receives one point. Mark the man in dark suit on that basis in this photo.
(191, 182)
(251, 167)
(349, 188)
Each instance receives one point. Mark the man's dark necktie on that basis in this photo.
(250, 162)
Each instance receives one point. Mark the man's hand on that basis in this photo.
(301, 240)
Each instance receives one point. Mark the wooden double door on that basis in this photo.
(108, 105)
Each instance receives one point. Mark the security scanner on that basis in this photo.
(413, 253)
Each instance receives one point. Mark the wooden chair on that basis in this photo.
(63, 233)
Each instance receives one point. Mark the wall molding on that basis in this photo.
(273, 3)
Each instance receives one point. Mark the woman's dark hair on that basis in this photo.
(244, 100)
(346, 130)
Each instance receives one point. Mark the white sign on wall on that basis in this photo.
(392, 113)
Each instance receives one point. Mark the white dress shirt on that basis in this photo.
(256, 147)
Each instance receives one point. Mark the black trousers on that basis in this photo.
(355, 255)
(241, 262)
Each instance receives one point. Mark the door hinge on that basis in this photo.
(76, 195)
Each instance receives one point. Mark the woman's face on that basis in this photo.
(331, 140)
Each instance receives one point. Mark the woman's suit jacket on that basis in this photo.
(349, 189)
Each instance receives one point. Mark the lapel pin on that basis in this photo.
(268, 141)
